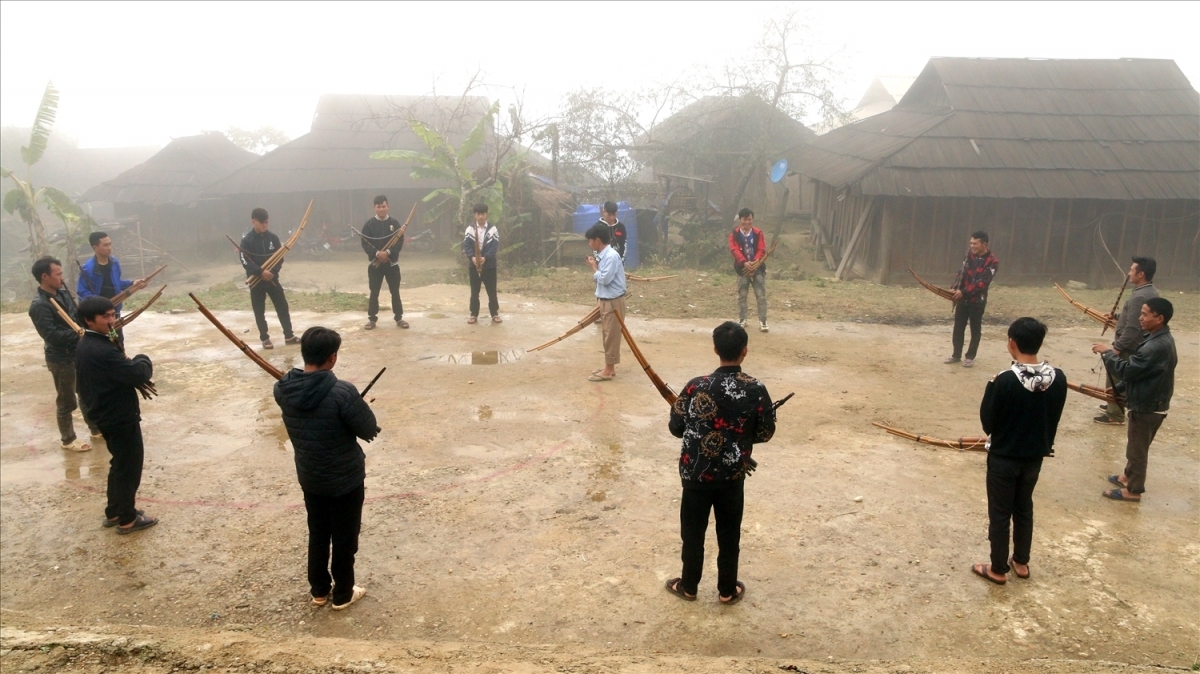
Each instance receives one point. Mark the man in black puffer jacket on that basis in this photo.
(324, 417)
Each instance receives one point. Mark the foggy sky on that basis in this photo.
(141, 74)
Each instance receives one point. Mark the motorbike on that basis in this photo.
(423, 242)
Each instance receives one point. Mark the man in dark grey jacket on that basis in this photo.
(1147, 380)
(1128, 333)
(324, 418)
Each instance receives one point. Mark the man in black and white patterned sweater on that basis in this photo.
(719, 416)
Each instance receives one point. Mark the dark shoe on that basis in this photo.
(740, 592)
(369, 326)
(141, 522)
(673, 588)
(1103, 419)
(401, 323)
(267, 344)
(1119, 495)
(291, 340)
(108, 524)
(982, 570)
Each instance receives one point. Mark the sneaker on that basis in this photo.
(1103, 419)
(970, 362)
(291, 340)
(267, 344)
(762, 327)
(742, 322)
(369, 326)
(77, 445)
(951, 360)
(358, 593)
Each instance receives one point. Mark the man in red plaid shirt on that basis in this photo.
(970, 296)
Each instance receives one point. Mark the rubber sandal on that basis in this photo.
(321, 601)
(77, 446)
(673, 588)
(357, 594)
(1115, 479)
(472, 320)
(497, 319)
(1118, 495)
(1012, 564)
(291, 340)
(596, 377)
(267, 344)
(108, 524)
(981, 570)
(598, 370)
(142, 522)
(369, 326)
(402, 324)
(741, 592)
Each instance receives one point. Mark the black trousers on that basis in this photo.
(333, 521)
(726, 503)
(965, 311)
(124, 470)
(1010, 484)
(258, 302)
(487, 279)
(375, 277)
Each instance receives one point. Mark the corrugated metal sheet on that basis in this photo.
(1119, 129)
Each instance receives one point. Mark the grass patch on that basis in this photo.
(230, 296)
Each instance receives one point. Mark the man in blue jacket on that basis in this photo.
(1020, 412)
(325, 417)
(102, 274)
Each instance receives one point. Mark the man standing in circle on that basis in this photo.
(60, 342)
(481, 245)
(257, 245)
(102, 274)
(384, 263)
(1128, 332)
(970, 297)
(720, 417)
(108, 384)
(617, 235)
(747, 244)
(609, 275)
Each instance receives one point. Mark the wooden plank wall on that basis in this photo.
(1038, 240)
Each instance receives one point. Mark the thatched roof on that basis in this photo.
(723, 123)
(175, 174)
(335, 154)
(1100, 129)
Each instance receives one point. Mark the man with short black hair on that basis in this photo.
(617, 236)
(720, 417)
(609, 275)
(481, 246)
(970, 296)
(1128, 332)
(324, 417)
(258, 245)
(384, 263)
(1147, 380)
(1020, 412)
(102, 273)
(60, 341)
(108, 384)
(748, 244)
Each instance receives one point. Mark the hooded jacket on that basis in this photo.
(1021, 408)
(324, 417)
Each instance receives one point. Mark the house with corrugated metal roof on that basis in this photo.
(1071, 166)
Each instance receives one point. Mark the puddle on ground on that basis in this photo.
(51, 468)
(500, 357)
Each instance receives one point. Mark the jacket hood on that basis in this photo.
(305, 390)
(1036, 377)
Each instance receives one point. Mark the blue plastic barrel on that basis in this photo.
(589, 214)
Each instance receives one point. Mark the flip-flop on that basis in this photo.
(1117, 495)
(497, 319)
(599, 370)
(597, 377)
(321, 601)
(1115, 479)
(739, 593)
(142, 522)
(108, 524)
(472, 320)
(1012, 564)
(981, 570)
(673, 588)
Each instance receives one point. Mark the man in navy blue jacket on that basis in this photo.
(258, 245)
(481, 245)
(1020, 412)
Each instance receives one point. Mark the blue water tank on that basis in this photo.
(589, 214)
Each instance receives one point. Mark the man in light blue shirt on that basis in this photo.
(609, 275)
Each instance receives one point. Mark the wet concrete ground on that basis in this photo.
(516, 504)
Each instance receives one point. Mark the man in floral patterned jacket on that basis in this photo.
(970, 297)
(719, 416)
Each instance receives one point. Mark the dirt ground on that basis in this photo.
(520, 518)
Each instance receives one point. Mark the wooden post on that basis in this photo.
(855, 238)
(1062, 264)
(1049, 229)
(886, 225)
